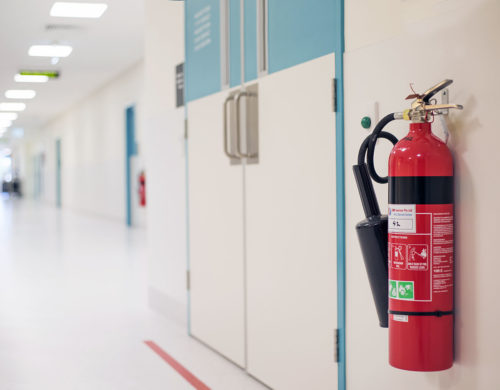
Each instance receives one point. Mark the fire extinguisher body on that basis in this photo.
(420, 252)
(142, 189)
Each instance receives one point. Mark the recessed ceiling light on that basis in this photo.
(50, 50)
(22, 78)
(78, 10)
(7, 116)
(20, 94)
(12, 106)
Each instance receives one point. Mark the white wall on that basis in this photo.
(93, 148)
(390, 44)
(165, 151)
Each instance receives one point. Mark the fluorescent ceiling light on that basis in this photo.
(12, 106)
(5, 123)
(78, 10)
(31, 78)
(20, 94)
(7, 116)
(50, 50)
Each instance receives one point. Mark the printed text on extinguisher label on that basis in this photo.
(421, 262)
(402, 218)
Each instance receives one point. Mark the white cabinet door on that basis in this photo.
(291, 231)
(216, 233)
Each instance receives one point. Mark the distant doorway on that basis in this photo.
(131, 150)
(58, 174)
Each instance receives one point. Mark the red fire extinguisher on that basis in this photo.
(409, 253)
(142, 189)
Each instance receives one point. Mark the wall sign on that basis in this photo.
(179, 85)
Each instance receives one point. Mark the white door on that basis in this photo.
(291, 231)
(216, 233)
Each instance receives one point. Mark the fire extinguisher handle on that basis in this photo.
(427, 95)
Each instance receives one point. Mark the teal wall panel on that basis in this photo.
(234, 43)
(299, 31)
(203, 67)
(235, 40)
(250, 40)
(130, 151)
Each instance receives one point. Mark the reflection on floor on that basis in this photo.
(73, 312)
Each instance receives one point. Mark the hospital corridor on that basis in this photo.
(249, 194)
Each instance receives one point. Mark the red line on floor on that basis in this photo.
(195, 382)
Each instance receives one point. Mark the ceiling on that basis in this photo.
(102, 48)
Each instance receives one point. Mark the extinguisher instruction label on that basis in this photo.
(402, 218)
(421, 262)
(418, 257)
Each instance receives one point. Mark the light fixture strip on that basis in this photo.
(12, 106)
(8, 116)
(21, 78)
(20, 94)
(50, 50)
(4, 123)
(78, 10)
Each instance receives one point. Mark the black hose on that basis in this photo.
(368, 147)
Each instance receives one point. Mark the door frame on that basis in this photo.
(340, 185)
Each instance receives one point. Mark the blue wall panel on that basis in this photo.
(130, 150)
(299, 31)
(203, 74)
(234, 43)
(250, 40)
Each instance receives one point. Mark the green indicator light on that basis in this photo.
(366, 122)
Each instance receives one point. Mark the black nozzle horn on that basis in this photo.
(372, 234)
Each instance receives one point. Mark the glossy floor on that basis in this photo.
(73, 311)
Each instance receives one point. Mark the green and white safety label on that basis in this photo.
(401, 290)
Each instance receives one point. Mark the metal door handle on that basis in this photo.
(238, 133)
(226, 148)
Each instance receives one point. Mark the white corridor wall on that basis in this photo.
(390, 44)
(92, 134)
(166, 159)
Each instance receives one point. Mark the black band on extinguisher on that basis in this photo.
(420, 189)
(437, 313)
